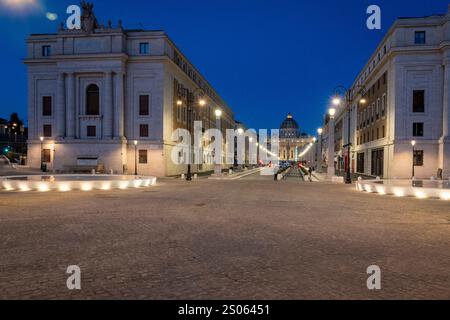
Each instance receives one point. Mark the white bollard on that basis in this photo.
(433, 178)
(183, 176)
(195, 176)
(230, 172)
(111, 172)
(378, 178)
(93, 172)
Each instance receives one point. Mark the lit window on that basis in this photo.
(418, 158)
(143, 157)
(46, 156)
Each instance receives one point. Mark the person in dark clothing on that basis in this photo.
(310, 172)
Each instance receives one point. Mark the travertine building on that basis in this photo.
(292, 141)
(94, 91)
(407, 98)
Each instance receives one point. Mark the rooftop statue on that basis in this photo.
(88, 20)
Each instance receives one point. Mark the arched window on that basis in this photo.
(92, 100)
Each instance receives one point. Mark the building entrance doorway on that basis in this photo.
(378, 163)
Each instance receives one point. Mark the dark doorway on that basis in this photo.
(378, 163)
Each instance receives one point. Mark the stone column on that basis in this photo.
(70, 113)
(108, 107)
(119, 107)
(331, 170)
(61, 106)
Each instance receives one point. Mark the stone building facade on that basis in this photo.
(406, 98)
(292, 142)
(94, 92)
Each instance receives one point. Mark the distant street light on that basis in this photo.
(332, 112)
(337, 101)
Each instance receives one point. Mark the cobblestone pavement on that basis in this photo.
(245, 239)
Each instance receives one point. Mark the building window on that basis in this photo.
(46, 51)
(47, 130)
(419, 101)
(143, 157)
(383, 132)
(418, 158)
(420, 37)
(383, 105)
(92, 100)
(91, 131)
(418, 129)
(144, 48)
(46, 156)
(143, 130)
(378, 109)
(47, 106)
(144, 105)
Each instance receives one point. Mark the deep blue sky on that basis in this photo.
(265, 58)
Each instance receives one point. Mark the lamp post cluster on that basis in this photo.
(337, 101)
(197, 97)
(191, 99)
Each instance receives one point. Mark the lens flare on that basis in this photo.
(20, 6)
(51, 16)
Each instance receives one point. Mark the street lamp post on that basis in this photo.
(42, 155)
(349, 97)
(319, 160)
(331, 169)
(413, 144)
(135, 158)
(218, 166)
(202, 103)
